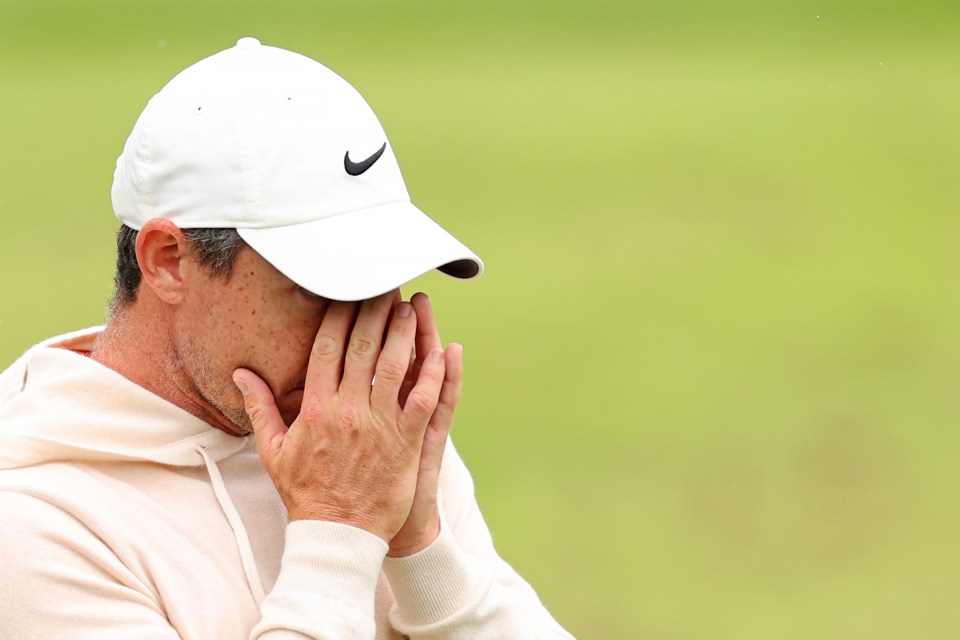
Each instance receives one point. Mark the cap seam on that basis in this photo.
(252, 193)
(142, 169)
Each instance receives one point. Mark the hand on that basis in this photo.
(354, 452)
(423, 524)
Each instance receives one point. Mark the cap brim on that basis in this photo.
(364, 253)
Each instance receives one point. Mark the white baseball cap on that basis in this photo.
(279, 147)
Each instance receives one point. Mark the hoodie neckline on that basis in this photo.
(71, 407)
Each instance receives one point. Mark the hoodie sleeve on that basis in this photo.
(326, 587)
(459, 587)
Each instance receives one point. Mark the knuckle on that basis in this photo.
(325, 347)
(404, 325)
(421, 403)
(390, 370)
(312, 413)
(361, 347)
(433, 375)
(349, 418)
(255, 412)
(451, 396)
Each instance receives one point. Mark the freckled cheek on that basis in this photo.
(285, 350)
(299, 347)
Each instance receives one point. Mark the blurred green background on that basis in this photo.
(713, 363)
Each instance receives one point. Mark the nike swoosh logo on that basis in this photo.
(356, 168)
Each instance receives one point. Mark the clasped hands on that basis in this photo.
(378, 405)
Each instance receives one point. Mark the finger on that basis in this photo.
(452, 386)
(395, 302)
(428, 336)
(423, 398)
(441, 421)
(261, 408)
(364, 345)
(413, 369)
(394, 360)
(326, 358)
(428, 339)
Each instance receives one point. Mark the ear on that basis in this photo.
(162, 250)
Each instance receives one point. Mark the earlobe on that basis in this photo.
(161, 249)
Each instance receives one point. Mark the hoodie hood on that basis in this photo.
(58, 404)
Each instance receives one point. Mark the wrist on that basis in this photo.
(409, 546)
(320, 514)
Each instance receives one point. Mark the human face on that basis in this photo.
(258, 319)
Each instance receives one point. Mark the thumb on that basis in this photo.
(261, 408)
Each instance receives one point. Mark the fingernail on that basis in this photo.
(436, 355)
(404, 310)
(244, 390)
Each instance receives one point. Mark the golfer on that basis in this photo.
(255, 445)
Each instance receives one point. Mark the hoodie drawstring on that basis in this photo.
(239, 532)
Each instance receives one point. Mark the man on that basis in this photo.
(256, 443)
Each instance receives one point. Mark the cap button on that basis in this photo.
(248, 43)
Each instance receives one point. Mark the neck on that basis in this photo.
(136, 343)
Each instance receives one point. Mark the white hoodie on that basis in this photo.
(123, 516)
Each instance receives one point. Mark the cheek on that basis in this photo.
(282, 349)
(251, 329)
(284, 368)
(224, 334)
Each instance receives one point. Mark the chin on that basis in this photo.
(239, 418)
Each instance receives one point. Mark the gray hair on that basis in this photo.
(215, 249)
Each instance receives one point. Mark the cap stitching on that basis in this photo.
(252, 193)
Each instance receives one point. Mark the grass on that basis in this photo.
(712, 365)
